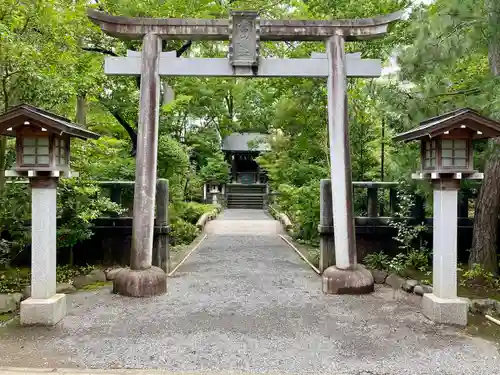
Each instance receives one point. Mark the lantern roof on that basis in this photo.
(18, 115)
(483, 127)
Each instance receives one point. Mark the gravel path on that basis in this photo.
(247, 302)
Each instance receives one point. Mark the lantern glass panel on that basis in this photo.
(61, 151)
(454, 153)
(429, 154)
(36, 150)
(29, 159)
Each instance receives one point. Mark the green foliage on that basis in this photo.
(301, 204)
(103, 159)
(14, 280)
(377, 261)
(194, 188)
(66, 273)
(478, 276)
(191, 211)
(216, 169)
(14, 212)
(182, 232)
(407, 232)
(80, 202)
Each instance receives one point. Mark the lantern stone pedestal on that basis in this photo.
(443, 305)
(44, 307)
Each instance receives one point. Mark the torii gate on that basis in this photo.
(244, 30)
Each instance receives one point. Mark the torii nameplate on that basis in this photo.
(244, 30)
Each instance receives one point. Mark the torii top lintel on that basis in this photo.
(219, 29)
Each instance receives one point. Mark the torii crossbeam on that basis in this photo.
(244, 30)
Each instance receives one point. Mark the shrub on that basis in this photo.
(14, 280)
(182, 232)
(418, 259)
(216, 170)
(189, 211)
(377, 261)
(477, 275)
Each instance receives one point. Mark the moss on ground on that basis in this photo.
(5, 317)
(478, 325)
(97, 285)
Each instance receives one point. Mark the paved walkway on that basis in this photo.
(244, 301)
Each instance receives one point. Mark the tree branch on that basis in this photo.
(100, 50)
(459, 92)
(130, 131)
(184, 48)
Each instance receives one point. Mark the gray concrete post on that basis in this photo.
(327, 240)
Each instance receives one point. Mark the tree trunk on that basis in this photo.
(493, 7)
(485, 233)
(81, 109)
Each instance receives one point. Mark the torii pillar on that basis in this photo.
(245, 30)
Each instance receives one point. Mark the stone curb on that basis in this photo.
(206, 217)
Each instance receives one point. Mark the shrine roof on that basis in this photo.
(245, 142)
(485, 127)
(17, 115)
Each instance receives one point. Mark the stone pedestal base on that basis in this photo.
(46, 311)
(445, 310)
(357, 280)
(140, 283)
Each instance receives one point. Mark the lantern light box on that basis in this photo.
(42, 140)
(446, 141)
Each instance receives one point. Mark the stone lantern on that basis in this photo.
(42, 155)
(214, 191)
(446, 159)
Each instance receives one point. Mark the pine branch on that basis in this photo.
(100, 50)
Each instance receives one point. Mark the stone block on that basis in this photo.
(82, 280)
(357, 280)
(379, 276)
(111, 274)
(46, 312)
(64, 288)
(482, 306)
(408, 285)
(97, 276)
(27, 292)
(445, 311)
(395, 281)
(9, 302)
(418, 290)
